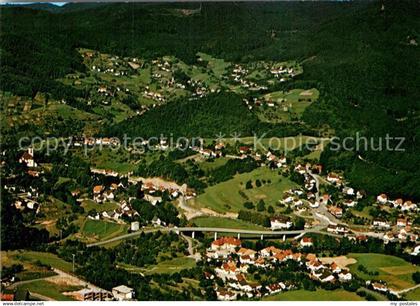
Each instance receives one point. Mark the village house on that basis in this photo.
(300, 169)
(28, 158)
(389, 237)
(378, 223)
(336, 211)
(314, 265)
(333, 178)
(97, 193)
(244, 149)
(225, 295)
(225, 243)
(379, 287)
(287, 199)
(261, 263)
(280, 222)
(269, 251)
(297, 202)
(350, 203)
(345, 276)
(323, 275)
(134, 226)
(247, 252)
(306, 242)
(348, 191)
(229, 270)
(334, 268)
(416, 250)
(207, 153)
(190, 193)
(275, 288)
(402, 222)
(397, 203)
(123, 293)
(88, 294)
(409, 206)
(382, 198)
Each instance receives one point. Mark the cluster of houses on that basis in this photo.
(27, 198)
(257, 102)
(349, 196)
(92, 141)
(402, 230)
(152, 95)
(400, 204)
(282, 72)
(233, 262)
(113, 65)
(309, 181)
(294, 198)
(102, 194)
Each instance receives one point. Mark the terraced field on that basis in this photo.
(395, 271)
(101, 230)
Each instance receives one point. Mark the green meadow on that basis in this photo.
(226, 197)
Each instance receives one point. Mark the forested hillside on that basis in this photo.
(365, 60)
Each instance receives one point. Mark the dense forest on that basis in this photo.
(362, 56)
(223, 113)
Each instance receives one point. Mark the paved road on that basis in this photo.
(322, 209)
(316, 230)
(408, 289)
(40, 296)
(14, 285)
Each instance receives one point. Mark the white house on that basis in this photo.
(350, 203)
(123, 293)
(135, 226)
(306, 242)
(280, 222)
(416, 250)
(381, 223)
(344, 276)
(382, 198)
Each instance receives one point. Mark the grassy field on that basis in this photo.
(102, 229)
(225, 197)
(318, 295)
(211, 165)
(413, 295)
(395, 271)
(48, 289)
(164, 267)
(289, 105)
(224, 223)
(28, 259)
(90, 204)
(106, 158)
